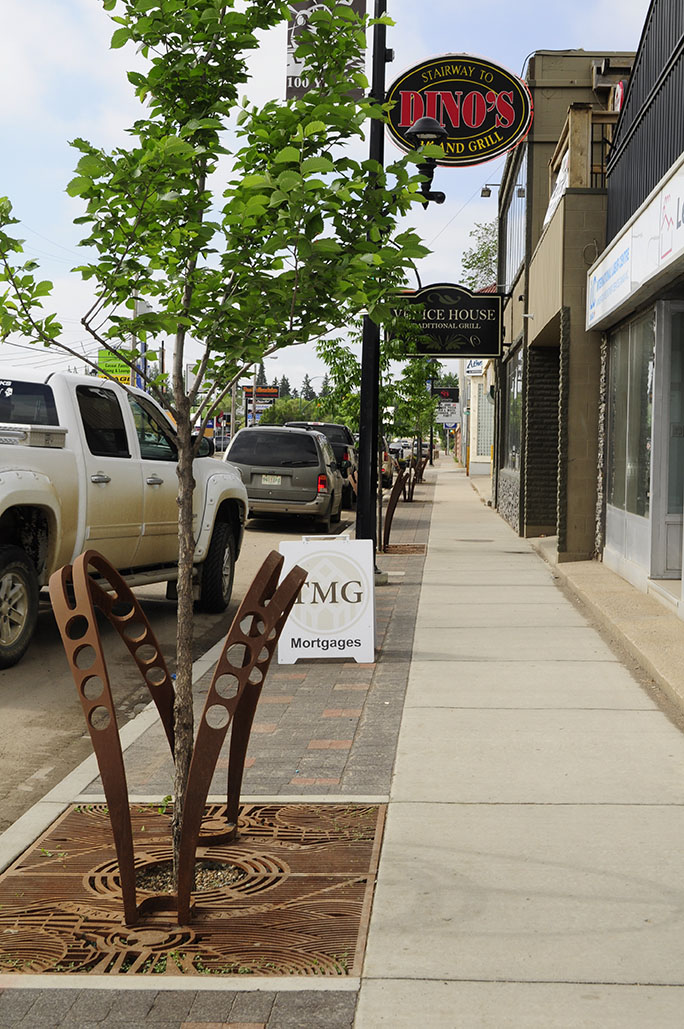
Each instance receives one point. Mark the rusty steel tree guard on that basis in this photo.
(298, 902)
(232, 697)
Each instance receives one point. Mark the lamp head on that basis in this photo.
(427, 130)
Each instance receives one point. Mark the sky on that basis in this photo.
(60, 80)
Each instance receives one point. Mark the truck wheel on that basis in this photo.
(218, 570)
(18, 604)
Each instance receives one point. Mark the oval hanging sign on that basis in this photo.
(485, 108)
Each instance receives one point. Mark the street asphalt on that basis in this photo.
(522, 723)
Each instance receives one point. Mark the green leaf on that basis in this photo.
(317, 164)
(78, 186)
(119, 39)
(287, 155)
(288, 180)
(90, 166)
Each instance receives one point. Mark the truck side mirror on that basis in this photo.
(206, 447)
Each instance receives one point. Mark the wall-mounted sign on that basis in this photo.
(448, 414)
(485, 108)
(474, 367)
(300, 14)
(334, 615)
(454, 322)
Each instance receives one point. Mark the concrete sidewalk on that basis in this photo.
(529, 870)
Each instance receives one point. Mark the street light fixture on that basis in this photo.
(486, 190)
(428, 130)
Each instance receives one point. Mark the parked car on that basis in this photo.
(288, 471)
(341, 439)
(85, 464)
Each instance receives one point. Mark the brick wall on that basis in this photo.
(541, 441)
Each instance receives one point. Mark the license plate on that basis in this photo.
(271, 480)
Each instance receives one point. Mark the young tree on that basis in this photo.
(299, 240)
(480, 261)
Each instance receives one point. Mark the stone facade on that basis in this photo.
(508, 497)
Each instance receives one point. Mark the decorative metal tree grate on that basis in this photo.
(232, 698)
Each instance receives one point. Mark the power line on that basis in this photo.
(462, 208)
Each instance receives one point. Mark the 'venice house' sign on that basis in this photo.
(485, 108)
(453, 322)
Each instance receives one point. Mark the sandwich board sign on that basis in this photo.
(334, 615)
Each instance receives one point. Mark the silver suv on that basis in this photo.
(342, 441)
(288, 471)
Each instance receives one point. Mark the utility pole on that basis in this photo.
(366, 521)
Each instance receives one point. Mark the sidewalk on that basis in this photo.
(529, 874)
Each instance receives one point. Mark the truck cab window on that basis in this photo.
(103, 422)
(156, 439)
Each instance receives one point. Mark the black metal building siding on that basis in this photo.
(650, 133)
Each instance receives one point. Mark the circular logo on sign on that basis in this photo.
(335, 596)
(485, 108)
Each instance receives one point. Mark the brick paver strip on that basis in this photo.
(330, 745)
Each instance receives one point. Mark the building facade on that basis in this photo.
(552, 217)
(635, 301)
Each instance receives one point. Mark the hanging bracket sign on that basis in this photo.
(485, 108)
(453, 321)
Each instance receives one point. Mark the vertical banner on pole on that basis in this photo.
(300, 14)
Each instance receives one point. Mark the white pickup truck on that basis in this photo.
(85, 464)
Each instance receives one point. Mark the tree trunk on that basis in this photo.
(183, 711)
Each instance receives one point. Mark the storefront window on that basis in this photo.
(514, 219)
(632, 356)
(513, 419)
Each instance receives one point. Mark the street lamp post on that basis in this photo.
(425, 130)
(370, 340)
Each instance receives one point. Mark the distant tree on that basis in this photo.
(307, 392)
(285, 387)
(326, 388)
(479, 263)
(276, 383)
(288, 409)
(261, 375)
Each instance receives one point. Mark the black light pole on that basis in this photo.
(425, 130)
(370, 340)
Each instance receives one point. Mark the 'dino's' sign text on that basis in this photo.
(452, 321)
(485, 109)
